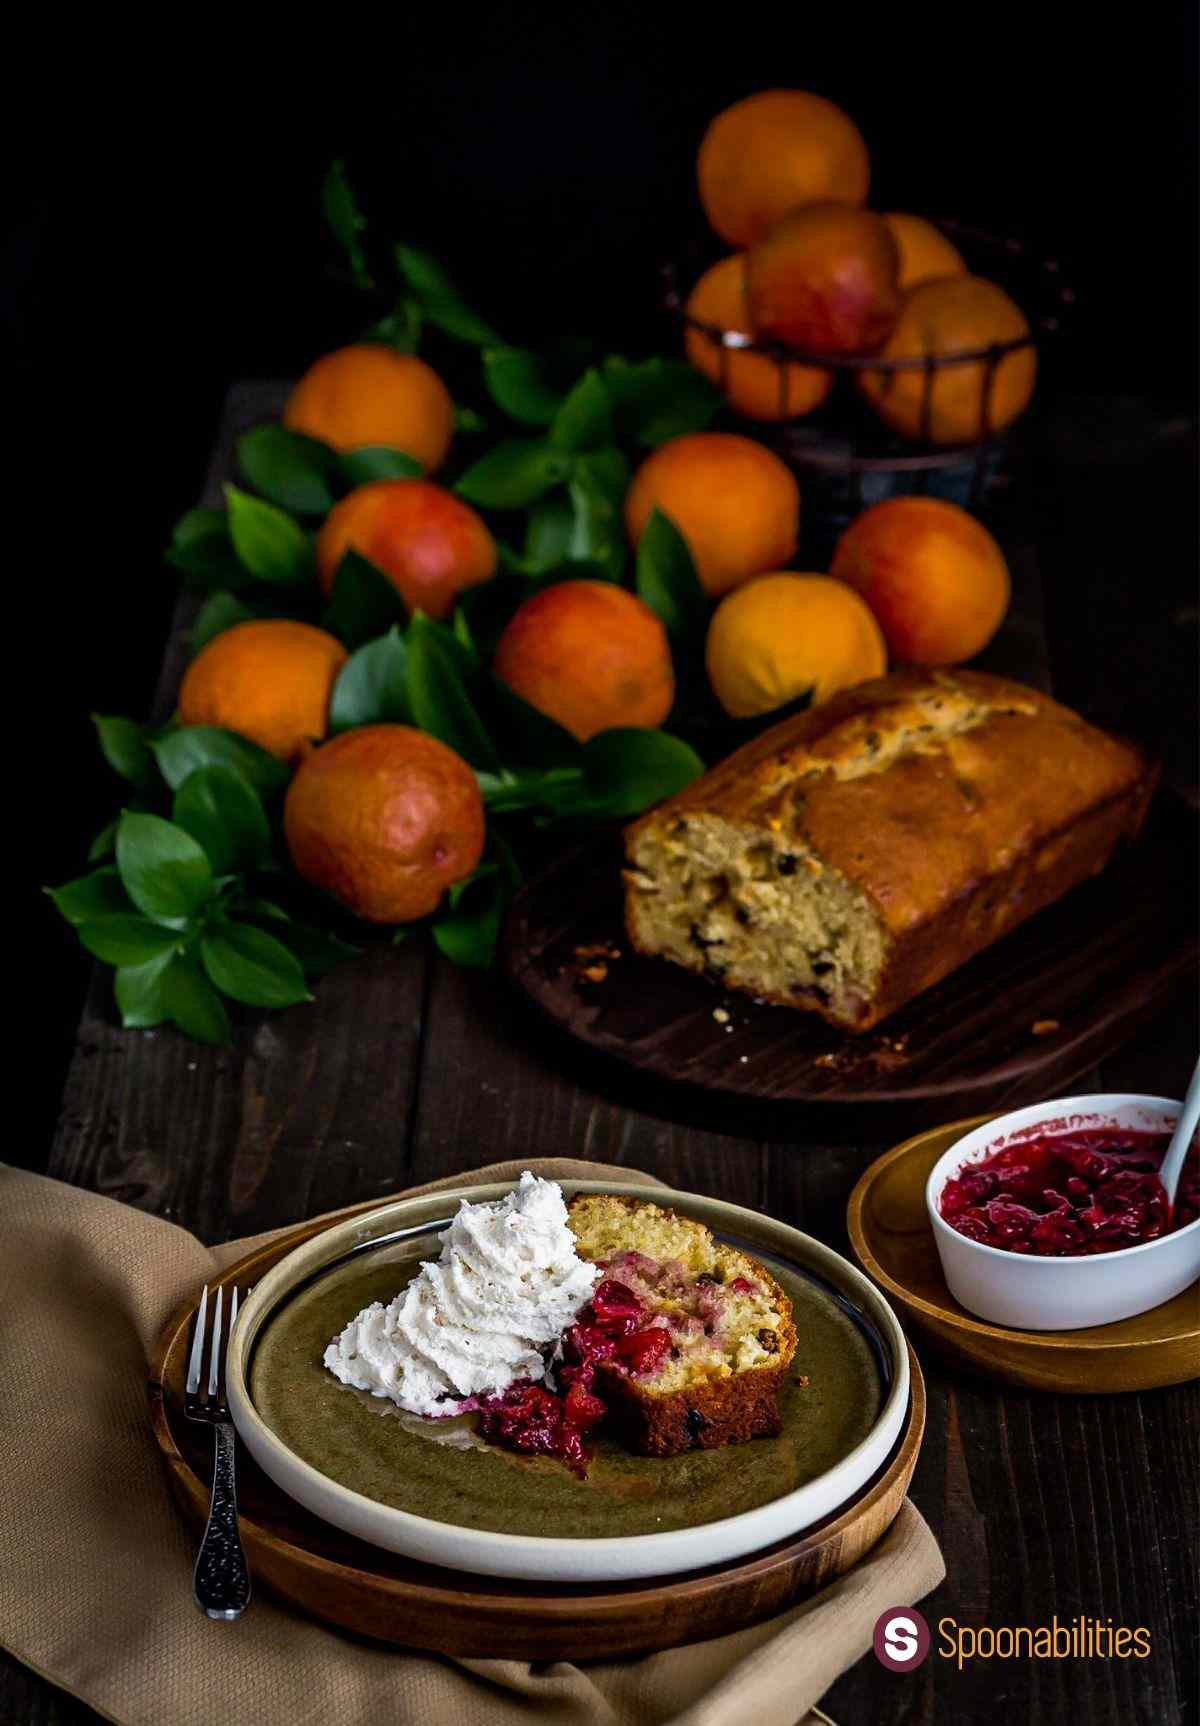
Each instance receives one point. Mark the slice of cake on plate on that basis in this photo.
(694, 1339)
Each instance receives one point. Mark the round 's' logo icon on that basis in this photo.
(901, 1639)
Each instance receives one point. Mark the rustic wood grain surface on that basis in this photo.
(404, 1069)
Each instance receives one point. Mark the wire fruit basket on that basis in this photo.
(843, 450)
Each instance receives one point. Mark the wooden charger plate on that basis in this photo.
(893, 1241)
(1086, 973)
(377, 1594)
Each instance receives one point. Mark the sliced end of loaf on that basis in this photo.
(754, 910)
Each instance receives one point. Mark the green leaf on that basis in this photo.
(199, 526)
(548, 532)
(363, 603)
(372, 686)
(660, 399)
(316, 949)
(184, 750)
(467, 420)
(377, 461)
(223, 812)
(202, 549)
(667, 579)
(440, 300)
(528, 737)
(193, 1004)
(551, 789)
(141, 993)
(253, 967)
(126, 747)
(629, 768)
(597, 490)
(513, 474)
(438, 695)
(467, 930)
(219, 612)
(122, 939)
(460, 625)
(104, 843)
(597, 537)
(400, 329)
(163, 869)
(269, 544)
(259, 909)
(346, 221)
(97, 895)
(288, 468)
(487, 609)
(585, 419)
(517, 382)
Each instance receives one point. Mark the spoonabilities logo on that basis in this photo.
(901, 1639)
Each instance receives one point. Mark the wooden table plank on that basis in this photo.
(308, 1109)
(404, 1068)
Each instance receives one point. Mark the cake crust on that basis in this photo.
(951, 806)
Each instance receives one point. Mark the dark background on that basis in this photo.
(165, 239)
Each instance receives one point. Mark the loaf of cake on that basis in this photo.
(857, 853)
(730, 1326)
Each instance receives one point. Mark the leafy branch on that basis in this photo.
(190, 899)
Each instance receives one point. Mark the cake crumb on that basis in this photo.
(720, 1015)
(591, 962)
(888, 1060)
(826, 1061)
(1044, 1027)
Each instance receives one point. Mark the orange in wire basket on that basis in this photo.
(755, 384)
(925, 252)
(826, 279)
(965, 401)
(773, 152)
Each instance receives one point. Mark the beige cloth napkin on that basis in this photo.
(95, 1565)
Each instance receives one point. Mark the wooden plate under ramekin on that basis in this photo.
(893, 1241)
(361, 1588)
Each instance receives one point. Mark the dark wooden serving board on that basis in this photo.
(1086, 972)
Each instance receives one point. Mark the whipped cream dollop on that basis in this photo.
(507, 1284)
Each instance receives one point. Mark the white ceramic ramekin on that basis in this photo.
(1031, 1293)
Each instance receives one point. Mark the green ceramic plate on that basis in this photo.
(398, 1480)
(438, 1469)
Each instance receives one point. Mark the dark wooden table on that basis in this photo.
(405, 1069)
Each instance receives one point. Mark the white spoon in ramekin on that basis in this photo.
(1181, 1138)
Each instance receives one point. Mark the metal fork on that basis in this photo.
(221, 1580)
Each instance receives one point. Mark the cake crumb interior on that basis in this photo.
(756, 910)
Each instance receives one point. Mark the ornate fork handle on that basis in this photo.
(221, 1581)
